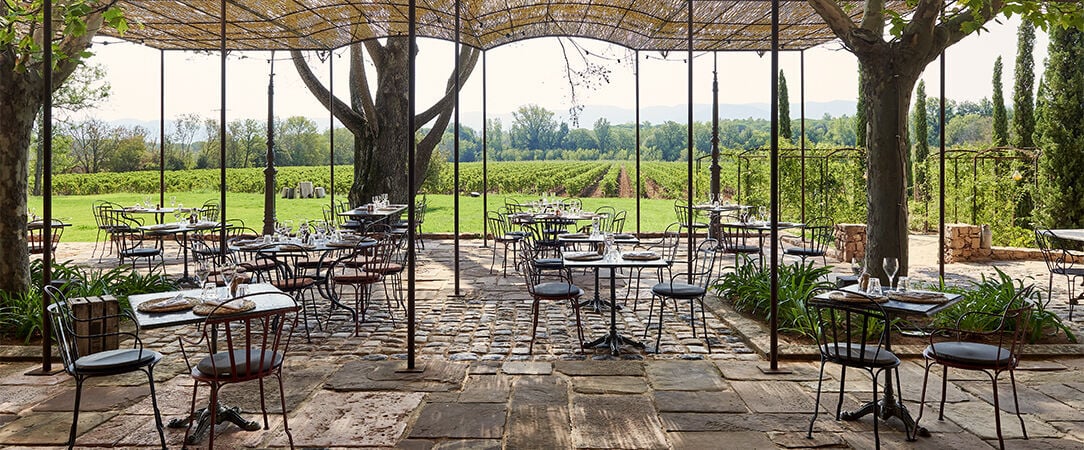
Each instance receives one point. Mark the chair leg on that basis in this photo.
(579, 324)
(842, 386)
(75, 412)
(876, 432)
(282, 400)
(922, 399)
(191, 414)
(213, 407)
(534, 325)
(944, 390)
(1016, 401)
(658, 336)
(650, 314)
(997, 413)
(817, 402)
(263, 406)
(154, 405)
(704, 323)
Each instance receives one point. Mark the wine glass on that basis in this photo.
(173, 201)
(201, 273)
(177, 213)
(891, 265)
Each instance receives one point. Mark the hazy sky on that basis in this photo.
(528, 72)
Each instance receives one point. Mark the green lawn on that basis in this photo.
(76, 209)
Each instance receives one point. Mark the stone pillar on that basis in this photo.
(850, 241)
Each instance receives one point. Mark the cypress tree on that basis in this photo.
(860, 120)
(921, 149)
(784, 109)
(1062, 130)
(1001, 121)
(1023, 119)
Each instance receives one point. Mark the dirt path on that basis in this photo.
(624, 184)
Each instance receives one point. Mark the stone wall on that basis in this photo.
(963, 242)
(849, 242)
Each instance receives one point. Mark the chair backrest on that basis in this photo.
(667, 245)
(209, 211)
(35, 237)
(617, 225)
(848, 332)
(74, 333)
(285, 258)
(249, 345)
(703, 263)
(733, 236)
(498, 226)
(534, 276)
(817, 237)
(1056, 251)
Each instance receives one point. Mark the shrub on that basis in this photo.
(749, 288)
(990, 294)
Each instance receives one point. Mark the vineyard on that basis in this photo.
(833, 187)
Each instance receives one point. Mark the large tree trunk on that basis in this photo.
(887, 146)
(22, 101)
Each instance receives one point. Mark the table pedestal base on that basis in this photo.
(885, 409)
(202, 418)
(613, 341)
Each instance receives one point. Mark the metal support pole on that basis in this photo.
(941, 187)
(331, 125)
(412, 32)
(47, 190)
(801, 137)
(774, 314)
(222, 142)
(270, 171)
(715, 167)
(638, 194)
(689, 137)
(455, 164)
(161, 128)
(485, 159)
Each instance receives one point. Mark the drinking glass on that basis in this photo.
(903, 284)
(891, 265)
(874, 288)
(856, 267)
(209, 292)
(146, 201)
(173, 201)
(177, 213)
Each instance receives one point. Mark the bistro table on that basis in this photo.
(159, 212)
(1074, 234)
(324, 248)
(147, 320)
(597, 303)
(370, 213)
(889, 405)
(613, 340)
(182, 228)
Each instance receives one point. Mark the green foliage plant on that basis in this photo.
(1060, 202)
(1023, 103)
(1001, 121)
(748, 287)
(990, 295)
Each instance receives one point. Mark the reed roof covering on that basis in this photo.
(328, 24)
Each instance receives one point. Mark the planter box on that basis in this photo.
(98, 317)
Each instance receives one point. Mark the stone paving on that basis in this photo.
(481, 389)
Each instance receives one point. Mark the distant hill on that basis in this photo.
(615, 114)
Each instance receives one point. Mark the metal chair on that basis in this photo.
(131, 244)
(255, 348)
(287, 277)
(813, 241)
(1061, 256)
(559, 289)
(359, 271)
(735, 239)
(688, 285)
(666, 246)
(500, 228)
(852, 335)
(687, 218)
(73, 335)
(35, 238)
(998, 353)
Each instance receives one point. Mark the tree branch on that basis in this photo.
(350, 118)
(952, 28)
(359, 81)
(836, 19)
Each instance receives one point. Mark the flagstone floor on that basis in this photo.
(479, 388)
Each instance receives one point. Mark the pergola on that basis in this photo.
(640, 25)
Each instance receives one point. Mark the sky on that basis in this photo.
(528, 72)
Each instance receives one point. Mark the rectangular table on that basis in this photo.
(362, 214)
(889, 406)
(187, 317)
(613, 340)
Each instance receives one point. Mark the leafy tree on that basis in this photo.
(921, 149)
(784, 108)
(85, 89)
(893, 49)
(93, 144)
(860, 122)
(1023, 118)
(669, 139)
(22, 79)
(969, 130)
(603, 135)
(533, 128)
(1001, 121)
(377, 115)
(129, 149)
(495, 136)
(248, 143)
(1062, 129)
(580, 138)
(299, 143)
